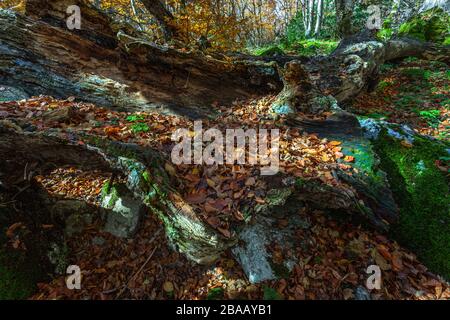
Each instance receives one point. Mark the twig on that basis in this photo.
(139, 271)
(125, 286)
(20, 191)
(4, 204)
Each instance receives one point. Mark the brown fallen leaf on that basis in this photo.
(196, 198)
(213, 222)
(168, 287)
(397, 264)
(250, 182)
(11, 230)
(225, 232)
(170, 169)
(335, 143)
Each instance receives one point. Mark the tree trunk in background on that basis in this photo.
(344, 13)
(310, 13)
(319, 15)
(163, 16)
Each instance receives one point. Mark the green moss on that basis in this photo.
(446, 41)
(271, 294)
(385, 34)
(147, 177)
(215, 294)
(111, 192)
(268, 51)
(280, 270)
(432, 25)
(106, 188)
(314, 47)
(422, 193)
(18, 277)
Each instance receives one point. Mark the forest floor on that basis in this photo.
(332, 255)
(413, 92)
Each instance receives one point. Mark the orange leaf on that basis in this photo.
(349, 159)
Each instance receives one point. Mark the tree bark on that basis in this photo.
(163, 16)
(344, 13)
(142, 167)
(350, 69)
(40, 55)
(319, 16)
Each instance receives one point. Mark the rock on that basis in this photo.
(362, 294)
(76, 215)
(76, 223)
(259, 264)
(12, 94)
(58, 256)
(282, 109)
(124, 212)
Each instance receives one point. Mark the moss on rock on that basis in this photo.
(422, 193)
(432, 25)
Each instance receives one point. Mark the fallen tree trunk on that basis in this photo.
(40, 55)
(350, 69)
(145, 178)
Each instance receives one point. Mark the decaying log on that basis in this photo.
(349, 70)
(39, 54)
(144, 172)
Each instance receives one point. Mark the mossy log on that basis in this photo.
(350, 69)
(417, 169)
(145, 178)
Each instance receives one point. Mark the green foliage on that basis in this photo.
(417, 73)
(140, 127)
(272, 50)
(422, 193)
(307, 47)
(314, 47)
(382, 85)
(135, 118)
(271, 294)
(431, 116)
(385, 34)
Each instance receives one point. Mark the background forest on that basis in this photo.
(301, 26)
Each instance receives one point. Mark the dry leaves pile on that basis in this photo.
(216, 193)
(332, 257)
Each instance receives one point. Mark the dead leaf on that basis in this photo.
(349, 159)
(170, 169)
